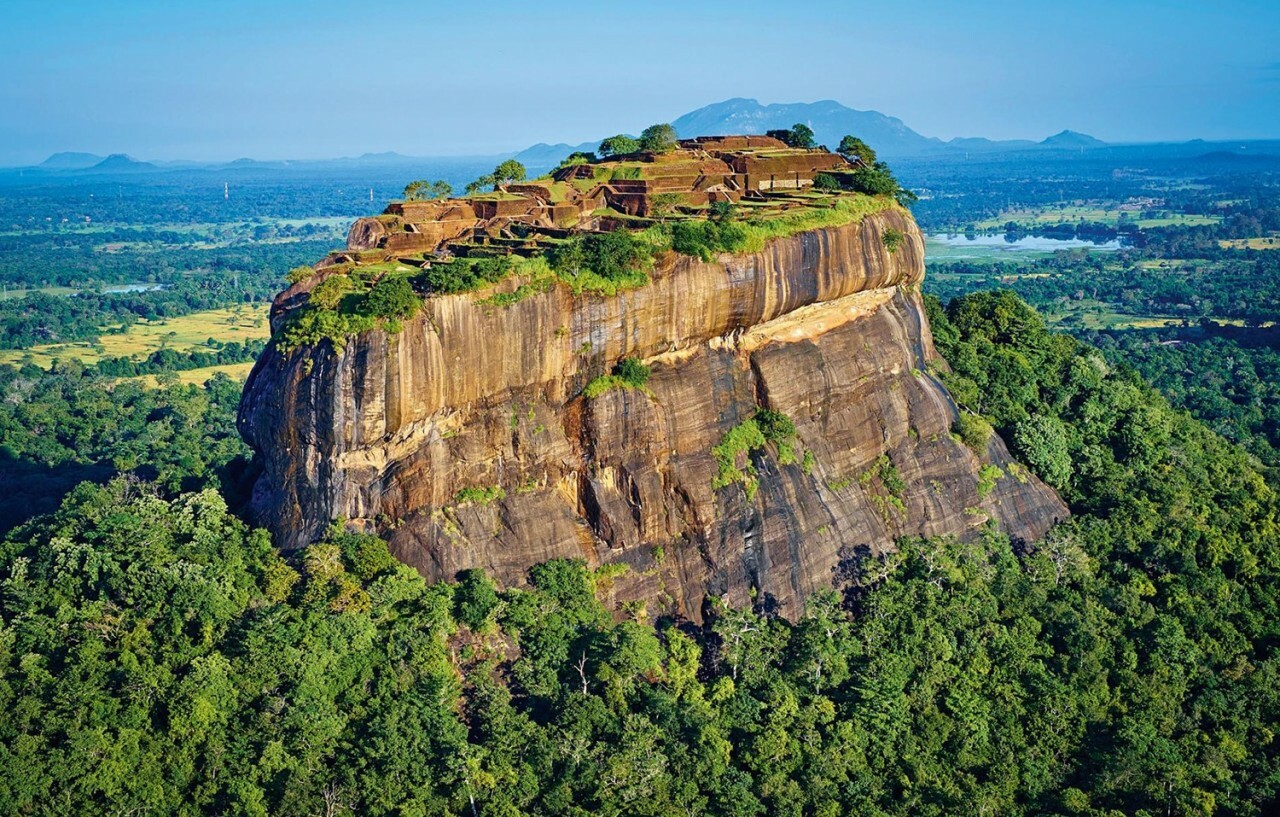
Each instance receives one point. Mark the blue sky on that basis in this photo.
(225, 79)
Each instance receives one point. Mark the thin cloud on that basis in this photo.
(1268, 74)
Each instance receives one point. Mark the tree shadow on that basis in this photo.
(31, 488)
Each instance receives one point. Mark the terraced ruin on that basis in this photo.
(760, 175)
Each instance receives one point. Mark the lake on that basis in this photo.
(983, 247)
(115, 289)
(107, 289)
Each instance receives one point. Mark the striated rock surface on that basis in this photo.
(826, 327)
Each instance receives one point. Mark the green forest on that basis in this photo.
(158, 656)
(74, 423)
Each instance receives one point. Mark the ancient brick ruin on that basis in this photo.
(622, 190)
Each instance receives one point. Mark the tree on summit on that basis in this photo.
(578, 157)
(422, 190)
(658, 138)
(802, 136)
(479, 184)
(509, 172)
(619, 145)
(721, 211)
(857, 151)
(798, 135)
(870, 175)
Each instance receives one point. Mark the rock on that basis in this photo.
(366, 234)
(826, 326)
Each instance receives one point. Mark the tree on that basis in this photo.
(662, 205)
(569, 258)
(1042, 442)
(479, 184)
(658, 138)
(613, 256)
(721, 211)
(878, 180)
(328, 294)
(391, 298)
(619, 145)
(300, 274)
(474, 599)
(974, 431)
(632, 371)
(826, 181)
(802, 136)
(874, 181)
(578, 157)
(798, 135)
(856, 151)
(819, 641)
(422, 190)
(893, 239)
(509, 172)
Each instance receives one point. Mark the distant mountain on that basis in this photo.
(389, 157)
(543, 155)
(1072, 140)
(70, 160)
(122, 163)
(248, 165)
(980, 144)
(829, 119)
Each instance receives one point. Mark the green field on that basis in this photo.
(184, 334)
(1096, 213)
(939, 251)
(235, 371)
(331, 222)
(1091, 314)
(1108, 319)
(1268, 243)
(7, 294)
(203, 235)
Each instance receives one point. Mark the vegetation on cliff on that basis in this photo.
(159, 656)
(765, 427)
(630, 373)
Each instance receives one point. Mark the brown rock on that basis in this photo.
(826, 326)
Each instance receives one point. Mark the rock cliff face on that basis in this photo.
(826, 327)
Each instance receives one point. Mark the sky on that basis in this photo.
(224, 79)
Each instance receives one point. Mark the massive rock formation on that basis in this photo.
(826, 327)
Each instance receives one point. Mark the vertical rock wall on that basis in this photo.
(826, 327)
